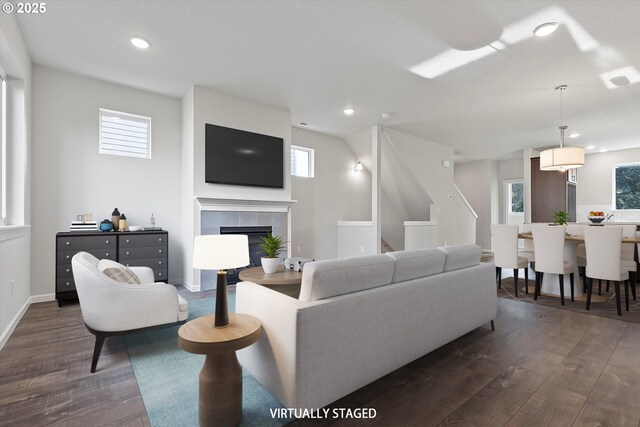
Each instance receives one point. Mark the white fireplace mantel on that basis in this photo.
(243, 205)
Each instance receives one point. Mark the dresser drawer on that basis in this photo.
(64, 257)
(143, 240)
(154, 263)
(65, 285)
(82, 243)
(63, 271)
(160, 274)
(131, 253)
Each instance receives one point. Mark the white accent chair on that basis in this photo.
(604, 261)
(113, 308)
(549, 250)
(504, 241)
(628, 256)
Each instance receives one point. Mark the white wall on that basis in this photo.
(478, 182)
(335, 193)
(70, 177)
(202, 105)
(595, 184)
(15, 242)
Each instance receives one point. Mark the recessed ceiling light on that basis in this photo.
(386, 115)
(349, 111)
(545, 29)
(591, 147)
(139, 42)
(574, 135)
(604, 150)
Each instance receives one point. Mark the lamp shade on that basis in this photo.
(220, 252)
(562, 158)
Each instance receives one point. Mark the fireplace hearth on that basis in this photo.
(254, 233)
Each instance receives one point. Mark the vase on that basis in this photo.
(270, 265)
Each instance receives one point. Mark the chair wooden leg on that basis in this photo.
(583, 278)
(626, 294)
(515, 278)
(535, 289)
(499, 277)
(599, 286)
(561, 281)
(572, 291)
(617, 286)
(97, 349)
(533, 265)
(632, 277)
(607, 286)
(526, 280)
(493, 326)
(589, 291)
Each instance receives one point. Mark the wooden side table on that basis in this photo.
(221, 376)
(283, 280)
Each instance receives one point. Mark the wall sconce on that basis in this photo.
(357, 167)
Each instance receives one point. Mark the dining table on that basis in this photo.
(550, 282)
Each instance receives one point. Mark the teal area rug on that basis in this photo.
(168, 377)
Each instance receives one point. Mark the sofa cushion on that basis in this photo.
(417, 263)
(326, 279)
(461, 256)
(118, 272)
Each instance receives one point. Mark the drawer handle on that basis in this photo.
(68, 256)
(67, 284)
(160, 239)
(159, 251)
(68, 243)
(127, 240)
(159, 274)
(127, 252)
(107, 254)
(67, 270)
(127, 265)
(107, 242)
(159, 262)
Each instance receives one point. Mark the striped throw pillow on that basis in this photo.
(118, 272)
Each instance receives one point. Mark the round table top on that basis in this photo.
(200, 336)
(281, 277)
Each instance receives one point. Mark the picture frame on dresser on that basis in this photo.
(140, 248)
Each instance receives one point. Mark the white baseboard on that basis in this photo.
(190, 287)
(14, 322)
(42, 298)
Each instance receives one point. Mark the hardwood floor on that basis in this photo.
(541, 366)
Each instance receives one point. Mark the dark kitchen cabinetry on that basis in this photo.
(551, 191)
(145, 248)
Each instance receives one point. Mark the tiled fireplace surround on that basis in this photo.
(211, 221)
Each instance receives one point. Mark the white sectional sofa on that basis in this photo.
(359, 319)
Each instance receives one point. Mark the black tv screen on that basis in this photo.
(238, 157)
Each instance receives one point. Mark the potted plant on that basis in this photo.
(271, 247)
(560, 218)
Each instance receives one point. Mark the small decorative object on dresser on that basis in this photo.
(115, 219)
(106, 225)
(271, 247)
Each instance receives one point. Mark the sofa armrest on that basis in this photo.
(145, 274)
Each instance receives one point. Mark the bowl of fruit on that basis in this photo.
(596, 217)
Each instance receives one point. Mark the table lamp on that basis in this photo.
(221, 252)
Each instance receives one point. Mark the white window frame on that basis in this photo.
(3, 149)
(311, 153)
(509, 192)
(123, 115)
(613, 187)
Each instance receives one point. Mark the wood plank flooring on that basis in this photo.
(542, 366)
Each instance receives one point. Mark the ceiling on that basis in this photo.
(316, 58)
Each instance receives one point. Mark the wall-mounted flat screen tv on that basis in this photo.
(238, 157)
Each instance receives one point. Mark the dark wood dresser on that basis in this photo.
(135, 248)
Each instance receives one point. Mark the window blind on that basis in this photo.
(124, 134)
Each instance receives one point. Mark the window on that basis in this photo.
(124, 134)
(626, 186)
(302, 161)
(516, 197)
(3, 150)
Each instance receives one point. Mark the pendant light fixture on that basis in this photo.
(563, 158)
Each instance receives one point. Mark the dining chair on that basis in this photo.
(527, 251)
(627, 254)
(604, 251)
(549, 250)
(578, 230)
(504, 241)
